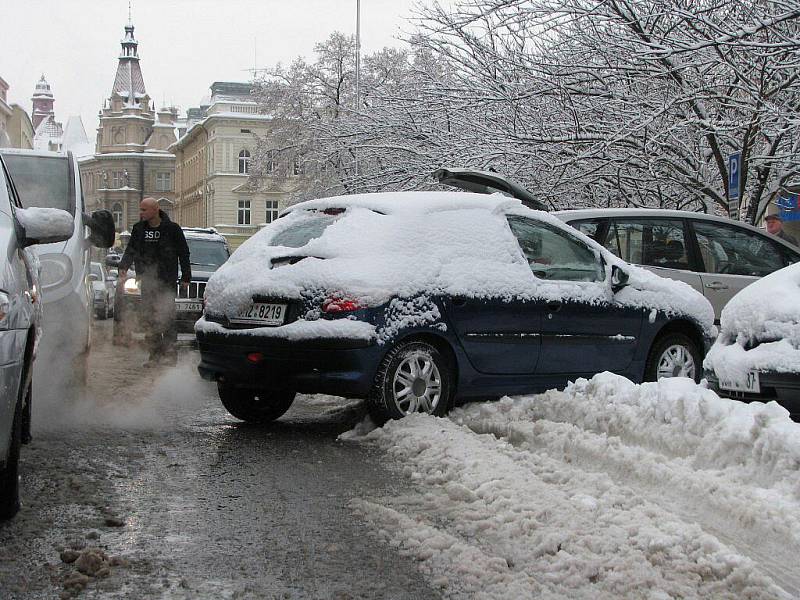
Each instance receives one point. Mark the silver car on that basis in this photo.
(716, 256)
(104, 290)
(20, 318)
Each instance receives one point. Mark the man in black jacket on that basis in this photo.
(156, 246)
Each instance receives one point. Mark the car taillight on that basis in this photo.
(340, 305)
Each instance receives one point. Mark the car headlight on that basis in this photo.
(131, 287)
(56, 269)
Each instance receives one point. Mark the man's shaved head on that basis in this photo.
(148, 209)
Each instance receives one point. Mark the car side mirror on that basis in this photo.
(45, 225)
(101, 228)
(93, 277)
(619, 278)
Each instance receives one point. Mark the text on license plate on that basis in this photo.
(189, 306)
(750, 383)
(262, 312)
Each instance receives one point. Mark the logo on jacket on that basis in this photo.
(152, 236)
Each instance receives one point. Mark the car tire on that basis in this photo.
(9, 474)
(254, 406)
(413, 377)
(673, 355)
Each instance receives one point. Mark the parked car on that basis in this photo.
(716, 256)
(51, 180)
(757, 353)
(208, 250)
(20, 322)
(104, 290)
(413, 299)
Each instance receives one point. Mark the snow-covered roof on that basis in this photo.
(129, 80)
(49, 131)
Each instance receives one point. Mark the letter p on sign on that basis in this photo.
(734, 175)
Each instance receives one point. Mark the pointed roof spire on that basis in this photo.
(129, 82)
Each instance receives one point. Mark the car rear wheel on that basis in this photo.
(413, 377)
(673, 355)
(254, 406)
(9, 474)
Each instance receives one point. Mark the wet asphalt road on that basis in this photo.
(209, 507)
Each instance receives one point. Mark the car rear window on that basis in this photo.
(305, 230)
(207, 253)
(42, 181)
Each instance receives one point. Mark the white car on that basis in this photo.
(104, 290)
(757, 353)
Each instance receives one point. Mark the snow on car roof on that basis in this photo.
(410, 202)
(422, 243)
(760, 328)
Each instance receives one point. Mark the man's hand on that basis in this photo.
(184, 285)
(122, 274)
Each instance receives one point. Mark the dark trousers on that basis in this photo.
(158, 318)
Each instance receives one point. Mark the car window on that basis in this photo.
(41, 181)
(736, 251)
(553, 254)
(5, 197)
(94, 269)
(590, 228)
(651, 242)
(207, 253)
(306, 229)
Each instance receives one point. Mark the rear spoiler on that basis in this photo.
(485, 182)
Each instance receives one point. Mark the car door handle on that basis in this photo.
(554, 306)
(716, 285)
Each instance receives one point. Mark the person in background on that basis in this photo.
(156, 246)
(775, 227)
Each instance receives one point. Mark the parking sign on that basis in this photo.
(734, 175)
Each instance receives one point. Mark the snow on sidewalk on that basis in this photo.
(605, 490)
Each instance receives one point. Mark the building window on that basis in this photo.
(164, 182)
(116, 212)
(244, 162)
(297, 168)
(272, 211)
(244, 130)
(272, 161)
(117, 179)
(243, 214)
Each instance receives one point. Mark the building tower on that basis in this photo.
(42, 103)
(131, 160)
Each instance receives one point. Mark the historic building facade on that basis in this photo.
(16, 130)
(213, 165)
(131, 159)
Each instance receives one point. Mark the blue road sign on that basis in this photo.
(734, 175)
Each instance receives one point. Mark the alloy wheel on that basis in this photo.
(417, 384)
(676, 361)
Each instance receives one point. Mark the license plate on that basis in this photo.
(262, 313)
(189, 306)
(749, 384)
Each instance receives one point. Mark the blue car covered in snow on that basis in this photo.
(413, 300)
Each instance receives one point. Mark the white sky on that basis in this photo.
(184, 45)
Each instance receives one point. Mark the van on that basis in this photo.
(46, 179)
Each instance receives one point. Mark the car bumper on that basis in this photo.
(783, 388)
(337, 366)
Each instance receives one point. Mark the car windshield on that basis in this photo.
(42, 181)
(304, 231)
(207, 253)
(94, 269)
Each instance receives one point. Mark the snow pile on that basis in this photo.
(403, 245)
(605, 490)
(760, 328)
(45, 223)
